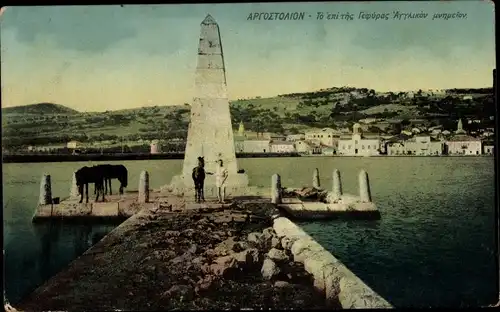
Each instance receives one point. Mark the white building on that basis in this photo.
(155, 147)
(356, 94)
(253, 146)
(326, 136)
(440, 127)
(303, 147)
(463, 145)
(396, 148)
(329, 151)
(487, 133)
(277, 137)
(238, 146)
(282, 147)
(272, 136)
(488, 149)
(435, 132)
(295, 137)
(73, 144)
(357, 145)
(423, 146)
(368, 120)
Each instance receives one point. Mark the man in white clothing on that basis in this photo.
(220, 181)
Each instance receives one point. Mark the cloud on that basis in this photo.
(439, 38)
(81, 28)
(95, 29)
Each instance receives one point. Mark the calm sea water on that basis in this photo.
(434, 246)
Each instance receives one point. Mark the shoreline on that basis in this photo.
(40, 158)
(27, 158)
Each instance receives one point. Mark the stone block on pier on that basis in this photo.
(292, 207)
(43, 211)
(315, 206)
(196, 206)
(365, 206)
(105, 209)
(291, 200)
(337, 207)
(72, 210)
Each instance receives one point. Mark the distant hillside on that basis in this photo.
(47, 123)
(40, 109)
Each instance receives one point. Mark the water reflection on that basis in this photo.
(54, 246)
(49, 236)
(97, 236)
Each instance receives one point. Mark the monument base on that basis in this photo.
(236, 185)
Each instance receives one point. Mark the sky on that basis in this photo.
(97, 58)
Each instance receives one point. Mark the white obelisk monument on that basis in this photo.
(210, 133)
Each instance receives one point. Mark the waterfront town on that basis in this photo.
(415, 140)
(337, 121)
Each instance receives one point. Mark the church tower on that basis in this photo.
(460, 129)
(241, 129)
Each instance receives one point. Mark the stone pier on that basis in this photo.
(210, 132)
(331, 204)
(114, 208)
(330, 275)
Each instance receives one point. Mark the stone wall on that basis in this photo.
(331, 276)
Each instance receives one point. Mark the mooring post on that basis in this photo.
(276, 189)
(144, 187)
(364, 187)
(337, 184)
(316, 183)
(45, 191)
(74, 188)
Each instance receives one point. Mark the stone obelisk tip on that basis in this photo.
(209, 20)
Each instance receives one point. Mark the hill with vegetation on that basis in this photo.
(39, 109)
(46, 123)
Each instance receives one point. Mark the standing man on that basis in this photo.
(199, 179)
(220, 181)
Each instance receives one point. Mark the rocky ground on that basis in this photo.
(226, 259)
(305, 194)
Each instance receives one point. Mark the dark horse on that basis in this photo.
(113, 172)
(86, 175)
(199, 179)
